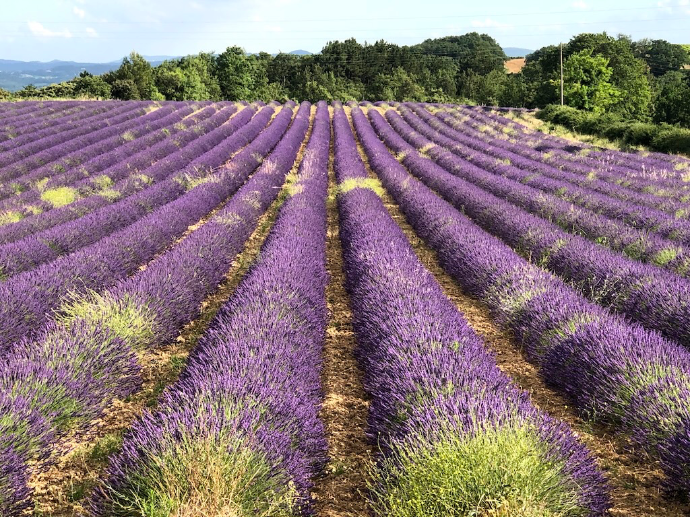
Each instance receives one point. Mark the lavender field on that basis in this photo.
(392, 309)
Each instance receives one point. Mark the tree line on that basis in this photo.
(642, 80)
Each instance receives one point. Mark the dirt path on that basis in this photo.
(635, 478)
(80, 460)
(341, 490)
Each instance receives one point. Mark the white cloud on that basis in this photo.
(580, 4)
(489, 23)
(79, 12)
(37, 29)
(196, 5)
(670, 7)
(91, 32)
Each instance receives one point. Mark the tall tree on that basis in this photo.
(673, 99)
(479, 53)
(587, 81)
(661, 56)
(235, 73)
(133, 80)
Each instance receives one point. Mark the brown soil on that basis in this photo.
(80, 459)
(513, 66)
(341, 490)
(634, 477)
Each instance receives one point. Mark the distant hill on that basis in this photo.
(517, 52)
(15, 75)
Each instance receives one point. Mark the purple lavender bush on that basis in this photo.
(79, 363)
(457, 437)
(613, 370)
(649, 295)
(239, 432)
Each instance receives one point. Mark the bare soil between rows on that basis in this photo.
(341, 490)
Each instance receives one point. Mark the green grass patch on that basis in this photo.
(126, 317)
(60, 196)
(215, 476)
(665, 256)
(175, 366)
(10, 216)
(110, 194)
(128, 136)
(103, 181)
(41, 184)
(365, 183)
(99, 453)
(18, 188)
(497, 472)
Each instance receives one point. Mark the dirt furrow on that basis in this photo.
(341, 490)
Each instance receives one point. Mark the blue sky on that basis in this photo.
(99, 31)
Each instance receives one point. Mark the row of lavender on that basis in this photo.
(49, 121)
(613, 370)
(132, 173)
(27, 299)
(661, 169)
(636, 170)
(441, 410)
(572, 187)
(651, 188)
(52, 184)
(21, 159)
(544, 197)
(65, 376)
(245, 410)
(97, 144)
(136, 198)
(518, 157)
(38, 120)
(540, 196)
(646, 293)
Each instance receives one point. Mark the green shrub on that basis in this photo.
(672, 140)
(658, 137)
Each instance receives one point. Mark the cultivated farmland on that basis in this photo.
(250, 309)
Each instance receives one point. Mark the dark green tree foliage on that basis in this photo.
(134, 79)
(514, 91)
(661, 56)
(188, 78)
(88, 85)
(398, 86)
(672, 103)
(235, 72)
(541, 69)
(475, 52)
(264, 88)
(124, 90)
(629, 74)
(28, 91)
